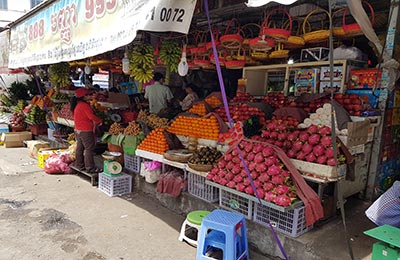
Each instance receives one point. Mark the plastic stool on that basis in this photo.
(193, 220)
(228, 233)
(389, 247)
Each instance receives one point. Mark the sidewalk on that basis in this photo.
(64, 217)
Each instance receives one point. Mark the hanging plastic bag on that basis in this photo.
(153, 165)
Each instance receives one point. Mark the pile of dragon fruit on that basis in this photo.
(271, 178)
(313, 144)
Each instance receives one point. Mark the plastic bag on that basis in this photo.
(349, 53)
(152, 166)
(57, 163)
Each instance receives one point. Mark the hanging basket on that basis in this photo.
(295, 41)
(200, 46)
(209, 44)
(354, 29)
(235, 63)
(262, 43)
(248, 34)
(279, 34)
(315, 36)
(279, 53)
(202, 62)
(232, 41)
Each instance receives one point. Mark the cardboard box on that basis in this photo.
(357, 133)
(364, 79)
(321, 170)
(337, 73)
(16, 139)
(367, 96)
(307, 76)
(42, 156)
(301, 88)
(119, 99)
(325, 86)
(34, 146)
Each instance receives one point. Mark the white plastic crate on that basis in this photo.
(231, 200)
(132, 163)
(198, 187)
(291, 223)
(115, 186)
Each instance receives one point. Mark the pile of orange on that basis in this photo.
(213, 101)
(207, 128)
(198, 109)
(155, 142)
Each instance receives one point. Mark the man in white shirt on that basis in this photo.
(158, 94)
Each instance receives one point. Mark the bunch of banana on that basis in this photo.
(20, 106)
(142, 62)
(59, 74)
(170, 54)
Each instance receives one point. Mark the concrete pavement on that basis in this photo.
(63, 217)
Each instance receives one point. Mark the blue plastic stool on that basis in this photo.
(226, 231)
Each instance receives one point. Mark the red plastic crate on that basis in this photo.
(40, 129)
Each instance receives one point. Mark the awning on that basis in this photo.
(67, 30)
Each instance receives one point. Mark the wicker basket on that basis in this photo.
(177, 155)
(295, 41)
(315, 36)
(201, 167)
(279, 34)
(279, 53)
(354, 29)
(262, 44)
(233, 40)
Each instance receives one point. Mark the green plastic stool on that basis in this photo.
(389, 247)
(193, 221)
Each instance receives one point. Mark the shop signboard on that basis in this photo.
(75, 29)
(4, 46)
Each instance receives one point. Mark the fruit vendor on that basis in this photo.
(190, 98)
(85, 125)
(158, 94)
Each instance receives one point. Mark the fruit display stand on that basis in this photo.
(149, 155)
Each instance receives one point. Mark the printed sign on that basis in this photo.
(4, 47)
(69, 30)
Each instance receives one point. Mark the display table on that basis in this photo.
(149, 155)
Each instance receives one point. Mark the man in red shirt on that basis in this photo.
(85, 124)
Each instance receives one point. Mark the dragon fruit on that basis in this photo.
(278, 179)
(314, 139)
(270, 196)
(263, 178)
(231, 184)
(249, 190)
(274, 170)
(261, 193)
(210, 176)
(282, 200)
(268, 186)
(250, 157)
(240, 187)
(258, 158)
(267, 152)
(326, 141)
(282, 189)
(270, 161)
(307, 148)
(319, 150)
(248, 147)
(312, 129)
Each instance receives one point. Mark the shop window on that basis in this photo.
(35, 3)
(3, 5)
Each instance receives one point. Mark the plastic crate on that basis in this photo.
(40, 129)
(291, 222)
(198, 187)
(132, 163)
(115, 186)
(231, 200)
